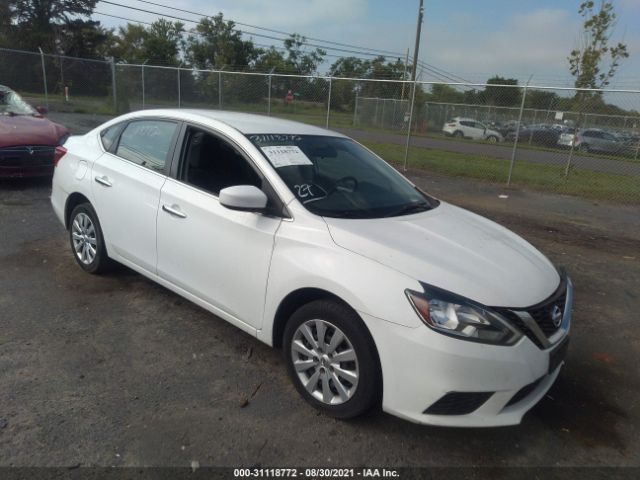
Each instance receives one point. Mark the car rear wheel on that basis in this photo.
(87, 242)
(492, 139)
(331, 359)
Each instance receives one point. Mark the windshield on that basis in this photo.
(12, 104)
(337, 177)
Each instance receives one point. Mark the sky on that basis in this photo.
(472, 39)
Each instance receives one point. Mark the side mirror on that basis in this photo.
(42, 110)
(246, 198)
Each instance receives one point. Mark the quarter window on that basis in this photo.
(110, 135)
(147, 143)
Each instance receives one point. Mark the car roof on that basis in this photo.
(246, 123)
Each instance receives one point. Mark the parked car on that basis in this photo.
(376, 291)
(540, 134)
(470, 128)
(29, 143)
(505, 128)
(595, 140)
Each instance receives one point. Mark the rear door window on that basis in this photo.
(147, 143)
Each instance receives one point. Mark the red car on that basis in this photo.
(30, 145)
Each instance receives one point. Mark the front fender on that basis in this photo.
(305, 256)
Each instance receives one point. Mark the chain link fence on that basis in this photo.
(581, 142)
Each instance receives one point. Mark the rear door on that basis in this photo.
(219, 255)
(126, 188)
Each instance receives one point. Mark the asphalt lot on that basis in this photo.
(115, 370)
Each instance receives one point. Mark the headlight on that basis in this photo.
(459, 317)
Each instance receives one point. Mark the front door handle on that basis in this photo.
(103, 181)
(174, 210)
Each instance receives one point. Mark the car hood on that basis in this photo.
(29, 130)
(456, 250)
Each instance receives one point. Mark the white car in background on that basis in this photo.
(377, 293)
(470, 128)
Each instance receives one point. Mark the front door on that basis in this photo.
(219, 255)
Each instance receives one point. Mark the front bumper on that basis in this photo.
(26, 161)
(420, 367)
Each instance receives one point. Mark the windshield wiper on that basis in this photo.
(410, 208)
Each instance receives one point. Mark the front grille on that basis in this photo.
(458, 403)
(524, 392)
(542, 313)
(26, 156)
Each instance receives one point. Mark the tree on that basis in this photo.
(36, 22)
(159, 44)
(129, 43)
(595, 62)
(302, 61)
(501, 96)
(163, 42)
(85, 39)
(215, 43)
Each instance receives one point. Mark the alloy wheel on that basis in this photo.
(85, 242)
(325, 361)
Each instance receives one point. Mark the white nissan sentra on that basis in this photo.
(377, 293)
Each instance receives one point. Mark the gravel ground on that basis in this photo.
(115, 370)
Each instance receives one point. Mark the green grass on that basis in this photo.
(601, 186)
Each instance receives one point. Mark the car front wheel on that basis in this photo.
(87, 242)
(331, 359)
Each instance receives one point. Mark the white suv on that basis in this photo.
(470, 128)
(376, 292)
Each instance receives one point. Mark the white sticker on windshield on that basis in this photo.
(286, 156)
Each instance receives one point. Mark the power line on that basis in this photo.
(241, 31)
(288, 34)
(435, 71)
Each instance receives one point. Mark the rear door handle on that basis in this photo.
(103, 181)
(174, 210)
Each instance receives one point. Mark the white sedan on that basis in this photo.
(377, 293)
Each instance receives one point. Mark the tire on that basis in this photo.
(344, 395)
(584, 148)
(87, 241)
(458, 134)
(492, 139)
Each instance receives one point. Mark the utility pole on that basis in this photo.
(417, 47)
(413, 79)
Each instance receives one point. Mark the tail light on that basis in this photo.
(58, 154)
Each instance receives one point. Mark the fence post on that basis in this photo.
(113, 85)
(269, 93)
(406, 147)
(355, 108)
(573, 142)
(143, 93)
(328, 104)
(179, 90)
(515, 142)
(44, 78)
(220, 88)
(535, 114)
